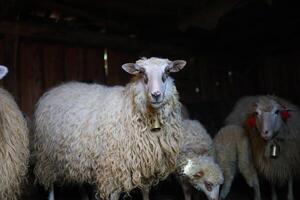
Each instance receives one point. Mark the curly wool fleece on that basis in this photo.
(102, 135)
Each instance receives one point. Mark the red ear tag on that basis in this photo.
(251, 121)
(285, 115)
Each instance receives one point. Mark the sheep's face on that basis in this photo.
(268, 117)
(205, 175)
(154, 73)
(3, 71)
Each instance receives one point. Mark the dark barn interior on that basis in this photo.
(233, 48)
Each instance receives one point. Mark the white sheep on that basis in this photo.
(14, 151)
(117, 138)
(272, 125)
(233, 152)
(201, 169)
(196, 164)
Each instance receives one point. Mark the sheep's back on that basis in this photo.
(195, 138)
(72, 111)
(14, 150)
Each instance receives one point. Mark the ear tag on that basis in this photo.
(285, 115)
(251, 121)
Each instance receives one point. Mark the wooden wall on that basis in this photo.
(36, 66)
(223, 80)
(209, 85)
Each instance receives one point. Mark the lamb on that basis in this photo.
(196, 164)
(117, 138)
(233, 151)
(14, 151)
(272, 125)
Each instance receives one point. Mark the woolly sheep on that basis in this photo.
(272, 124)
(117, 138)
(14, 152)
(196, 164)
(199, 168)
(233, 151)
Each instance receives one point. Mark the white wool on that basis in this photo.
(14, 151)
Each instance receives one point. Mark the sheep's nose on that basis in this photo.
(156, 94)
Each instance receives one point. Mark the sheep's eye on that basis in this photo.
(167, 70)
(255, 113)
(277, 112)
(208, 186)
(164, 77)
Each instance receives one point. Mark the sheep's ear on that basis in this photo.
(199, 174)
(176, 65)
(131, 68)
(3, 71)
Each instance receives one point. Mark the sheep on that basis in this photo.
(201, 169)
(14, 142)
(272, 125)
(233, 151)
(117, 138)
(196, 164)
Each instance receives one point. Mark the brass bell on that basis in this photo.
(156, 125)
(275, 149)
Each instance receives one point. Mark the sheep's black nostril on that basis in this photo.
(156, 95)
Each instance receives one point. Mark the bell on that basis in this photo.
(156, 125)
(274, 150)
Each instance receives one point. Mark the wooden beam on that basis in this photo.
(86, 37)
(70, 11)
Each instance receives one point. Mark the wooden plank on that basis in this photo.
(89, 38)
(116, 75)
(94, 66)
(53, 66)
(10, 60)
(30, 75)
(74, 64)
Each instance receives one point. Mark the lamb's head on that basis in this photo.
(268, 116)
(205, 175)
(153, 74)
(3, 71)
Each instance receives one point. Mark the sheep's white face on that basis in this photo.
(154, 73)
(205, 175)
(268, 118)
(3, 71)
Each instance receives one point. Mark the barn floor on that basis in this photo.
(167, 190)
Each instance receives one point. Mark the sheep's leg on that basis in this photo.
(246, 167)
(290, 195)
(146, 193)
(257, 195)
(229, 173)
(226, 187)
(51, 193)
(274, 193)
